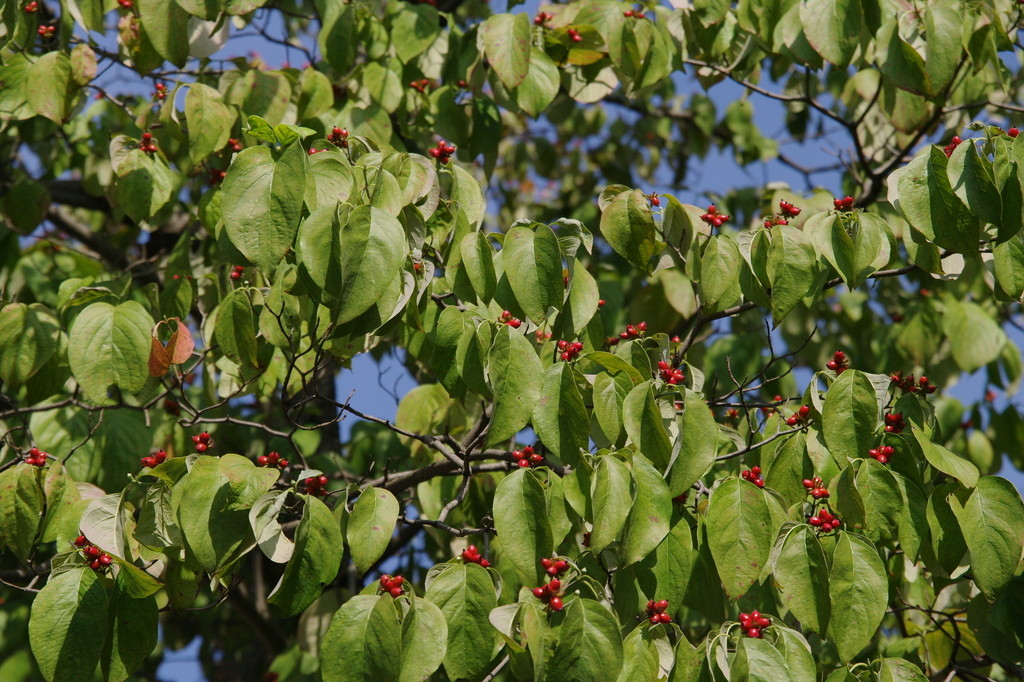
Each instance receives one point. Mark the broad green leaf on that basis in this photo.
(673, 564)
(850, 416)
(581, 305)
(883, 501)
(424, 637)
(640, 661)
(521, 520)
(413, 30)
(649, 514)
(451, 327)
(945, 29)
(720, 274)
(108, 522)
(801, 571)
(1009, 264)
(797, 652)
(948, 543)
(628, 226)
(699, 437)
(68, 625)
(235, 328)
(505, 39)
(541, 84)
(263, 517)
(790, 466)
(50, 86)
(373, 247)
(156, 528)
(945, 461)
(370, 526)
(512, 366)
(833, 241)
(608, 395)
(927, 201)
(21, 509)
(992, 521)
(901, 64)
(790, 269)
(533, 264)
(337, 38)
(975, 339)
(758, 661)
(859, 592)
(970, 177)
(465, 595)
(110, 345)
(331, 176)
(913, 531)
(132, 633)
(209, 121)
(28, 338)
(589, 644)
(611, 500)
(166, 26)
(739, 534)
(642, 418)
(899, 670)
(832, 27)
(613, 363)
(144, 185)
(315, 560)
(478, 262)
(363, 642)
(62, 505)
(560, 417)
(262, 202)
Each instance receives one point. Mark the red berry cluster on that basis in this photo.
(217, 176)
(442, 152)
(161, 91)
(527, 457)
(569, 350)
(753, 475)
(471, 556)
(772, 221)
(31, 7)
(894, 422)
(713, 217)
(815, 489)
(236, 145)
(542, 19)
(156, 458)
(554, 567)
(844, 204)
(315, 485)
(575, 36)
(670, 374)
(202, 442)
(97, 558)
(550, 595)
(788, 209)
(36, 458)
(769, 409)
(839, 362)
(653, 196)
(633, 331)
(542, 336)
(908, 384)
(754, 624)
(634, 13)
(953, 144)
(392, 585)
(147, 144)
(46, 31)
(656, 612)
(272, 459)
(799, 417)
(237, 272)
(506, 318)
(882, 454)
(1013, 132)
(339, 137)
(825, 522)
(419, 86)
(732, 414)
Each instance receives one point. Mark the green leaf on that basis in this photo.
(948, 541)
(132, 630)
(424, 636)
(1009, 264)
(62, 505)
(860, 594)
(263, 517)
(262, 203)
(992, 521)
(413, 30)
(649, 514)
(699, 436)
(533, 264)
(166, 26)
(945, 29)
(512, 365)
(50, 86)
(720, 274)
(790, 269)
(801, 571)
(451, 327)
(832, 28)
(478, 262)
(628, 226)
(608, 394)
(521, 520)
(363, 642)
(901, 64)
(589, 645)
(758, 661)
(315, 560)
(927, 201)
(235, 328)
(975, 339)
(899, 670)
(135, 582)
(643, 421)
(21, 509)
(739, 534)
(883, 501)
(465, 595)
(560, 417)
(28, 337)
(144, 185)
(68, 625)
(850, 416)
(373, 248)
(970, 177)
(337, 38)
(110, 345)
(611, 501)
(505, 40)
(540, 86)
(370, 526)
(945, 461)
(209, 121)
(582, 304)
(673, 564)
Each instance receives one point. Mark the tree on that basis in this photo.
(648, 440)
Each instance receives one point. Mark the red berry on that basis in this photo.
(148, 462)
(1013, 132)
(204, 436)
(556, 603)
(80, 541)
(105, 559)
(94, 565)
(395, 592)
(539, 592)
(262, 460)
(754, 632)
(92, 551)
(201, 447)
